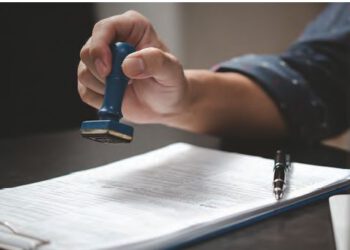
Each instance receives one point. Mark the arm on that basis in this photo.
(160, 91)
(228, 104)
(309, 83)
(300, 93)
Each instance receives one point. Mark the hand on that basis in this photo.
(158, 87)
(224, 104)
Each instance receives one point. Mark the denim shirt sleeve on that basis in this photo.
(310, 81)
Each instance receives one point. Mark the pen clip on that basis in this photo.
(282, 160)
(11, 229)
(288, 162)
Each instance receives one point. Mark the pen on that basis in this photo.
(281, 166)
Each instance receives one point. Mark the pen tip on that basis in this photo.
(278, 195)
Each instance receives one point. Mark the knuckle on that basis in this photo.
(84, 53)
(80, 65)
(100, 24)
(80, 90)
(133, 13)
(94, 51)
(157, 56)
(84, 76)
(155, 52)
(84, 95)
(138, 18)
(145, 22)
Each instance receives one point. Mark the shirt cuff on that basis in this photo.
(303, 111)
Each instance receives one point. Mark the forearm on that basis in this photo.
(227, 104)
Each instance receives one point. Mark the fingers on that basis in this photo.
(129, 27)
(86, 78)
(153, 62)
(90, 89)
(88, 60)
(90, 97)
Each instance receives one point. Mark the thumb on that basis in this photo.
(153, 62)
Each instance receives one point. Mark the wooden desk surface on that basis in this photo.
(34, 158)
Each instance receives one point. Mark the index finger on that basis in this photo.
(130, 27)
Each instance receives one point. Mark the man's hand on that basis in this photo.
(158, 88)
(224, 104)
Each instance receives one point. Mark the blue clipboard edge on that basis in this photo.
(248, 222)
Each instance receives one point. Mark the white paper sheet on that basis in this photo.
(152, 197)
(340, 214)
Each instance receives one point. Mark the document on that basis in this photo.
(156, 200)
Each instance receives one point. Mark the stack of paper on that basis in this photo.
(160, 199)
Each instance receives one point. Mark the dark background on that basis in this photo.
(40, 45)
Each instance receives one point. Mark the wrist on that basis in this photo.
(225, 104)
(184, 109)
(199, 98)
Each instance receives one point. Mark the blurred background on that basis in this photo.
(203, 34)
(41, 42)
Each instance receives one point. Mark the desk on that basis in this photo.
(34, 158)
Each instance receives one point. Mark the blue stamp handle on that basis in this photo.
(116, 83)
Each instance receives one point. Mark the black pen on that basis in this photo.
(282, 165)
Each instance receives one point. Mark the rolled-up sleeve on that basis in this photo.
(310, 81)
